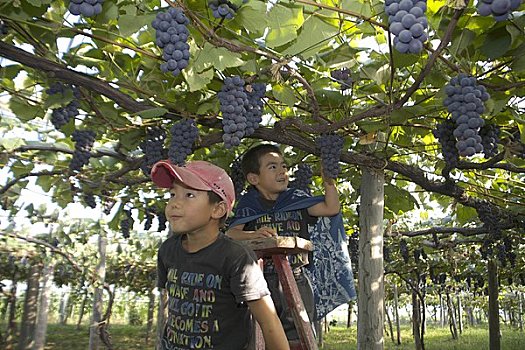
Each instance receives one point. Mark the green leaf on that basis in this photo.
(399, 200)
(465, 214)
(129, 24)
(497, 43)
(197, 81)
(460, 43)
(284, 24)
(23, 110)
(252, 16)
(284, 94)
(46, 182)
(11, 143)
(219, 58)
(152, 113)
(314, 33)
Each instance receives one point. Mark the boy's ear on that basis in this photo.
(252, 178)
(220, 210)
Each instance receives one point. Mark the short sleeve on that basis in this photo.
(161, 270)
(247, 281)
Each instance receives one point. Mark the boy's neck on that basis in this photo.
(196, 241)
(271, 196)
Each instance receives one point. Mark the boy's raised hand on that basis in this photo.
(265, 232)
(326, 180)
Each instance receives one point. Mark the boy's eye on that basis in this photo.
(190, 195)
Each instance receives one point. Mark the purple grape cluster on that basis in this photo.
(150, 214)
(89, 199)
(126, 224)
(464, 101)
(302, 177)
(489, 139)
(222, 8)
(3, 28)
(87, 8)
(445, 134)
(330, 147)
(499, 9)
(254, 108)
(61, 116)
(161, 216)
(233, 99)
(183, 135)
(84, 140)
(153, 148)
(407, 21)
(237, 177)
(343, 78)
(403, 250)
(172, 36)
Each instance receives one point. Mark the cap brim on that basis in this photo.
(163, 174)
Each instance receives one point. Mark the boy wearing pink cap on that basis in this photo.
(213, 282)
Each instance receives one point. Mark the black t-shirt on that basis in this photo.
(286, 223)
(207, 292)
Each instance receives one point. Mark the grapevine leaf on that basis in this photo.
(284, 24)
(11, 143)
(197, 81)
(152, 113)
(284, 94)
(216, 57)
(496, 43)
(465, 214)
(129, 24)
(249, 17)
(23, 110)
(314, 33)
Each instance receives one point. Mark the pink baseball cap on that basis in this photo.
(197, 174)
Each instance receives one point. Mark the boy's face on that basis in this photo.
(190, 211)
(273, 175)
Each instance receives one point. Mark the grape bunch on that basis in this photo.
(303, 177)
(183, 135)
(171, 36)
(150, 214)
(353, 249)
(222, 8)
(3, 28)
(87, 8)
(489, 139)
(407, 21)
(445, 134)
(126, 224)
(254, 108)
(89, 199)
(237, 177)
(61, 116)
(153, 148)
(84, 140)
(403, 250)
(342, 76)
(464, 101)
(330, 147)
(161, 216)
(499, 9)
(233, 99)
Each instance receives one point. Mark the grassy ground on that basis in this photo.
(341, 338)
(338, 338)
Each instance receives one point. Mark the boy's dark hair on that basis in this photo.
(215, 198)
(251, 159)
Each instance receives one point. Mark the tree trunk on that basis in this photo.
(82, 308)
(494, 338)
(460, 312)
(349, 314)
(62, 310)
(370, 317)
(320, 334)
(151, 311)
(416, 321)
(452, 318)
(520, 310)
(390, 326)
(11, 318)
(441, 310)
(43, 310)
(100, 273)
(162, 315)
(28, 323)
(396, 315)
